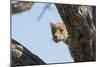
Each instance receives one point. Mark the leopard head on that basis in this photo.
(59, 32)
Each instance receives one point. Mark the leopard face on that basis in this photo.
(59, 32)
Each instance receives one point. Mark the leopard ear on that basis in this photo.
(52, 24)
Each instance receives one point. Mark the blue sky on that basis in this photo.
(36, 35)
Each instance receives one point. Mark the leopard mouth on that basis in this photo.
(56, 40)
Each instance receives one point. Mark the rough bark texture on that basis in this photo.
(21, 56)
(21, 6)
(81, 25)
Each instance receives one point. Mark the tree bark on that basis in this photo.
(21, 56)
(80, 23)
(21, 6)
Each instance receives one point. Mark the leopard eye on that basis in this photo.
(53, 30)
(61, 30)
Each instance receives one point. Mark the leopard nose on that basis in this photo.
(55, 40)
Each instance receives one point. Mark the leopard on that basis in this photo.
(60, 33)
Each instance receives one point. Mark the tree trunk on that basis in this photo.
(80, 23)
